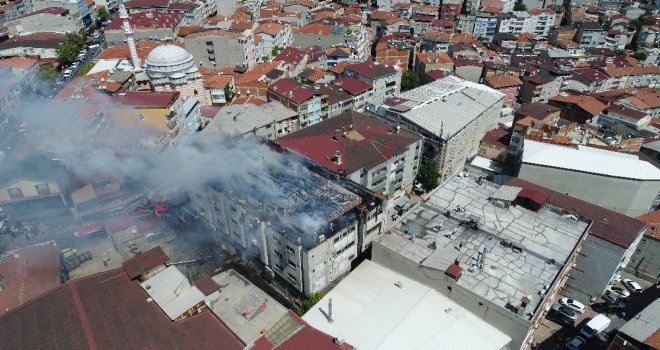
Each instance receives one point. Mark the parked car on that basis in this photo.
(610, 297)
(622, 293)
(562, 315)
(595, 326)
(632, 285)
(576, 343)
(67, 73)
(573, 304)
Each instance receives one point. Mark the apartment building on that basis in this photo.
(218, 48)
(327, 34)
(385, 80)
(311, 107)
(308, 240)
(380, 157)
(79, 10)
(273, 34)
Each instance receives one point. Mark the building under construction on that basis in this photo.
(305, 226)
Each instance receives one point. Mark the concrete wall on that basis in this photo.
(303, 40)
(497, 316)
(629, 197)
(116, 37)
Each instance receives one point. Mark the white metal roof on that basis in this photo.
(170, 289)
(371, 312)
(448, 105)
(485, 163)
(601, 162)
(644, 324)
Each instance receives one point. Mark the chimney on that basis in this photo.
(339, 340)
(337, 158)
(330, 319)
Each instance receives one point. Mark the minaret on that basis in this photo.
(128, 32)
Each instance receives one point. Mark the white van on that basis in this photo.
(596, 325)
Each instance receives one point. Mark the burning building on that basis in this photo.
(302, 222)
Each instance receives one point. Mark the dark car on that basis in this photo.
(562, 315)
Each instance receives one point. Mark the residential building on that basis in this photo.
(619, 182)
(470, 70)
(273, 34)
(18, 78)
(590, 34)
(641, 331)
(452, 115)
(465, 231)
(220, 48)
(327, 35)
(309, 239)
(515, 23)
(217, 87)
(22, 197)
(544, 113)
(495, 144)
(385, 80)
(359, 91)
(146, 25)
(633, 77)
(447, 324)
(645, 100)
(541, 21)
(588, 80)
(618, 114)
(270, 120)
(577, 108)
(421, 24)
(361, 148)
(508, 84)
(485, 25)
(648, 36)
(310, 107)
(539, 88)
(426, 62)
(79, 10)
(294, 59)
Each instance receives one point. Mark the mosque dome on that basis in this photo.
(168, 55)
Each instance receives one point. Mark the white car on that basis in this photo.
(632, 285)
(573, 305)
(622, 293)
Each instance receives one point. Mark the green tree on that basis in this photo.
(86, 68)
(620, 52)
(309, 303)
(69, 50)
(229, 94)
(409, 80)
(428, 174)
(102, 14)
(275, 51)
(47, 72)
(519, 6)
(641, 55)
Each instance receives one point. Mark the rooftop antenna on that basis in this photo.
(128, 33)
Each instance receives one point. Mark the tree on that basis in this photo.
(428, 174)
(409, 80)
(641, 55)
(229, 94)
(69, 50)
(620, 52)
(47, 72)
(309, 303)
(519, 6)
(102, 14)
(275, 51)
(86, 68)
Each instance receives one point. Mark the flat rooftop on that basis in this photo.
(243, 307)
(377, 308)
(546, 238)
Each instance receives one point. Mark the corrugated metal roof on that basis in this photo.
(448, 105)
(172, 291)
(371, 312)
(645, 324)
(589, 160)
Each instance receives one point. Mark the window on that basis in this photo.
(15, 193)
(290, 250)
(43, 189)
(293, 264)
(292, 277)
(277, 254)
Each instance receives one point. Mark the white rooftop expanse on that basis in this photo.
(448, 105)
(170, 289)
(371, 312)
(589, 160)
(111, 64)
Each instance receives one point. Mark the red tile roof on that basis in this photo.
(353, 86)
(57, 11)
(18, 62)
(27, 274)
(291, 90)
(497, 137)
(367, 144)
(146, 3)
(146, 99)
(290, 55)
(244, 100)
(148, 20)
(618, 229)
(370, 69)
(503, 81)
(108, 311)
(145, 261)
